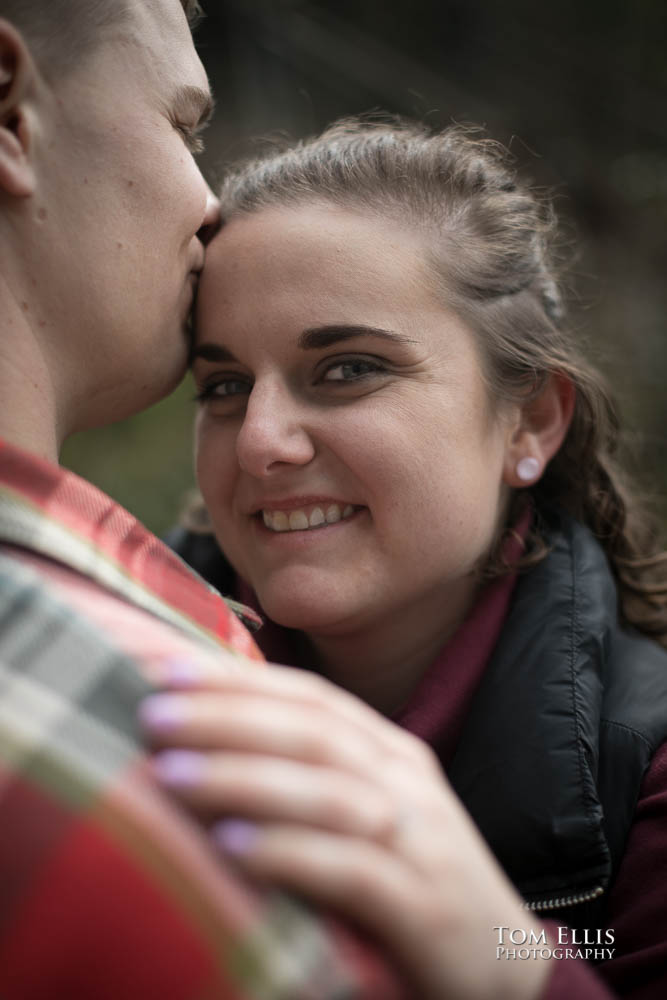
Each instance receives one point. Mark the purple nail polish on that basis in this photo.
(235, 836)
(178, 768)
(183, 673)
(160, 711)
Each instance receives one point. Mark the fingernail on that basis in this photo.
(178, 768)
(182, 673)
(235, 836)
(161, 711)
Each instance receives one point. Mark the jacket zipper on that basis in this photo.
(556, 904)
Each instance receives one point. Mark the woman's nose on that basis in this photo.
(273, 434)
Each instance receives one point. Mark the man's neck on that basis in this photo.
(29, 415)
(26, 421)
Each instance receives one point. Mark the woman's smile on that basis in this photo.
(308, 518)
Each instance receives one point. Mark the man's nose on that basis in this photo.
(211, 222)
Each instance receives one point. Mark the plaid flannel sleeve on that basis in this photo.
(106, 889)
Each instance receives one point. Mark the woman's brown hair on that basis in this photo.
(488, 239)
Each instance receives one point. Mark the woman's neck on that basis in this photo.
(382, 662)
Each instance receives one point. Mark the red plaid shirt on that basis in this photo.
(106, 890)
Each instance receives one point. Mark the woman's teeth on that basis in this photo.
(303, 520)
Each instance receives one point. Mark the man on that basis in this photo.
(105, 889)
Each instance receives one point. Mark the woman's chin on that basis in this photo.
(306, 611)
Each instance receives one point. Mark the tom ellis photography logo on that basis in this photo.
(518, 944)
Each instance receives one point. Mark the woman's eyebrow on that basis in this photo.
(324, 336)
(211, 352)
(312, 339)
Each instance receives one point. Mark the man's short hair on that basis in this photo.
(60, 32)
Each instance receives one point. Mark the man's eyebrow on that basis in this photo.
(212, 352)
(194, 102)
(324, 336)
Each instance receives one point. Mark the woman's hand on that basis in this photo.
(345, 807)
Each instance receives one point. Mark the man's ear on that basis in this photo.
(541, 429)
(17, 72)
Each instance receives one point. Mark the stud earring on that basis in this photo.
(528, 468)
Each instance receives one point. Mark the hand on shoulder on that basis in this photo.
(307, 787)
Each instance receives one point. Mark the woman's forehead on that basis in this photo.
(319, 249)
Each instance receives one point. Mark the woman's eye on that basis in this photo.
(348, 371)
(222, 390)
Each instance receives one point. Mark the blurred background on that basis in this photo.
(577, 89)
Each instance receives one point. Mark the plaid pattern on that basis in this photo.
(54, 512)
(106, 890)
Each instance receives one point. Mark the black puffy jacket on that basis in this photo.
(562, 728)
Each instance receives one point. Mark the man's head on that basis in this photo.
(100, 198)
(60, 31)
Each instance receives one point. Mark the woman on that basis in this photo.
(408, 466)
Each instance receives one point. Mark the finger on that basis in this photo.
(188, 669)
(350, 874)
(436, 931)
(249, 724)
(256, 724)
(275, 789)
(313, 693)
(357, 878)
(278, 682)
(280, 790)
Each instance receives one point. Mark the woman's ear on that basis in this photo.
(17, 70)
(541, 428)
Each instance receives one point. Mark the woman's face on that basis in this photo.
(347, 448)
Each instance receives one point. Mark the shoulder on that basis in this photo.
(574, 587)
(108, 889)
(202, 553)
(572, 596)
(87, 840)
(575, 573)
